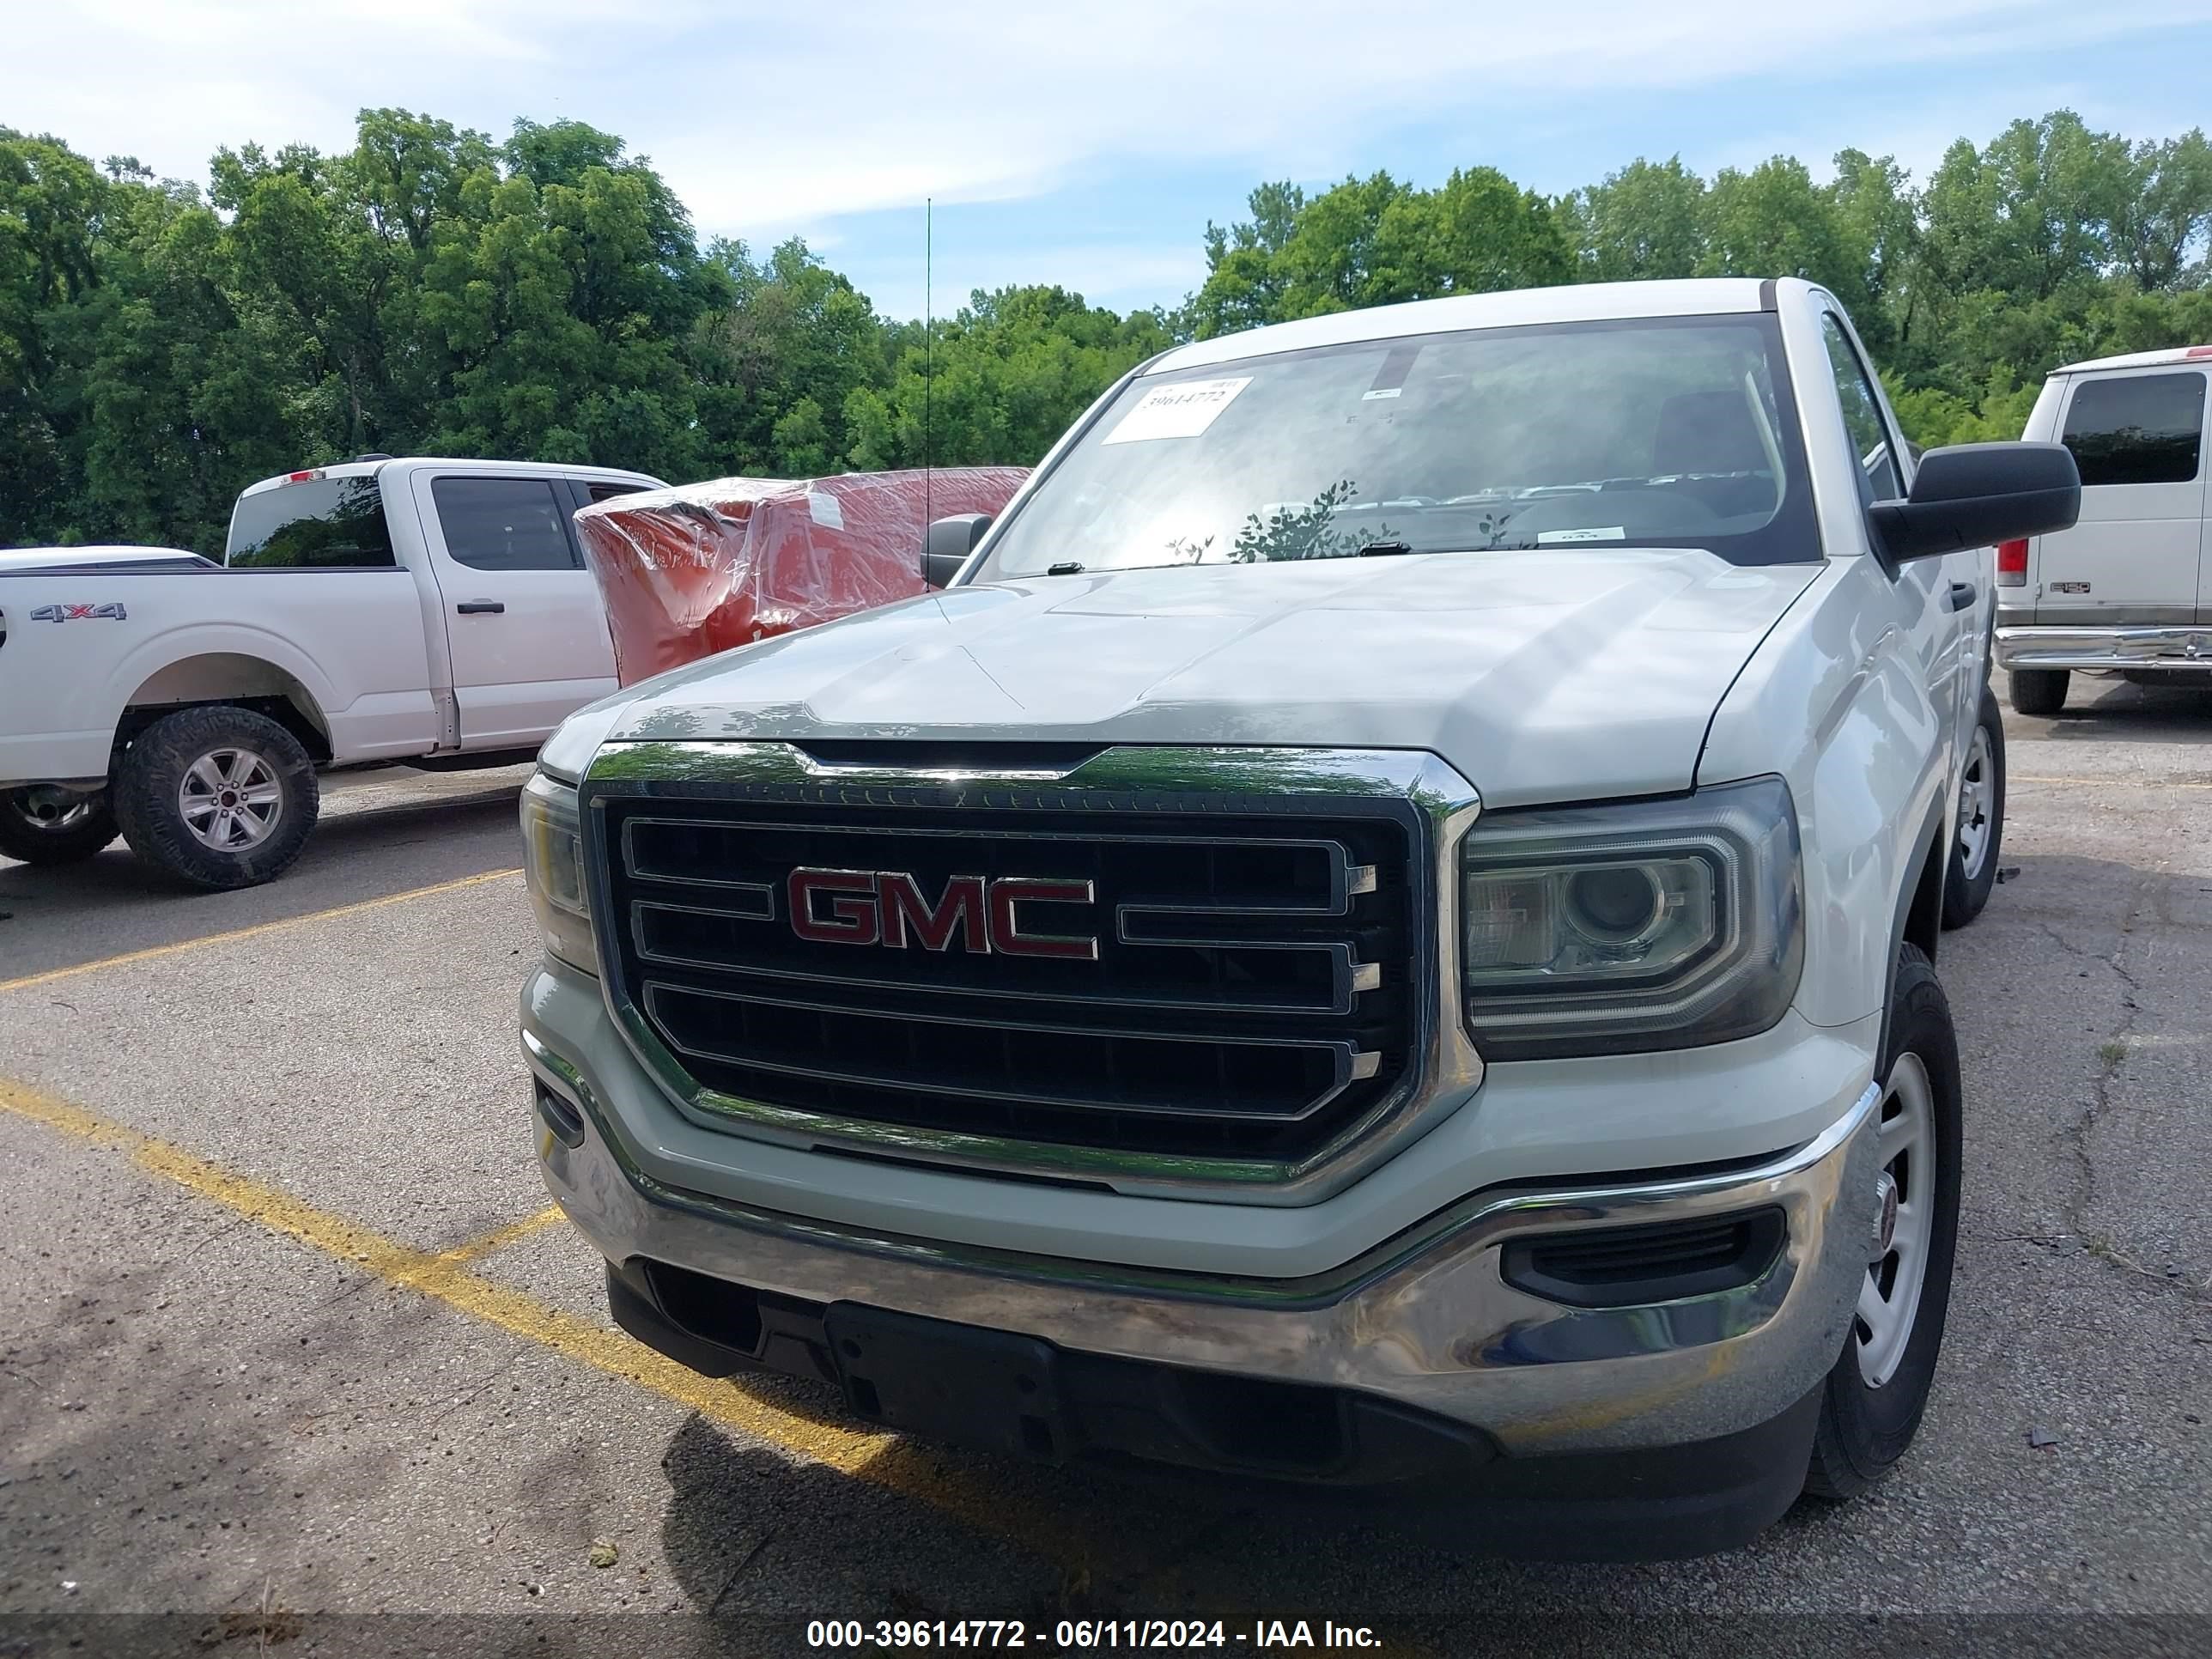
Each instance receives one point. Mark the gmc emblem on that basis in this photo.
(887, 908)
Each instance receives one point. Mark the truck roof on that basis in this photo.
(372, 466)
(1575, 303)
(2141, 359)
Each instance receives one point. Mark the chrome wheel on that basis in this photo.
(42, 807)
(1977, 785)
(230, 799)
(1905, 1144)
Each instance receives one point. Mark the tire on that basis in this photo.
(2039, 690)
(1872, 1402)
(1980, 837)
(40, 824)
(250, 788)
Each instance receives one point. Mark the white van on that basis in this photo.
(2128, 589)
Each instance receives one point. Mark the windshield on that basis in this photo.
(1657, 432)
(325, 524)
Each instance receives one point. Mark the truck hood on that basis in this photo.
(1557, 675)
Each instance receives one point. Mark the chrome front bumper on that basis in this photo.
(1425, 1319)
(2181, 647)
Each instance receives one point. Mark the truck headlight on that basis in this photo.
(1651, 925)
(553, 865)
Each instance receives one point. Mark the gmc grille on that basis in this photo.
(1252, 994)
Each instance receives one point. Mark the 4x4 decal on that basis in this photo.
(110, 611)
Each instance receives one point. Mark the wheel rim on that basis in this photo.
(1889, 1295)
(230, 799)
(49, 811)
(1975, 790)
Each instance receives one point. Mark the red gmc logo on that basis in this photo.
(887, 908)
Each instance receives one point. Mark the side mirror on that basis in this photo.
(1978, 494)
(950, 541)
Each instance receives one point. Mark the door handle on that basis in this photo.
(480, 608)
(1963, 595)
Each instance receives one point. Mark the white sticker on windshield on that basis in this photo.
(1561, 537)
(1182, 411)
(825, 509)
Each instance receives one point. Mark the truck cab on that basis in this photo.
(516, 631)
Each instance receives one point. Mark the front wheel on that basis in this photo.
(217, 795)
(1872, 1402)
(42, 823)
(1974, 871)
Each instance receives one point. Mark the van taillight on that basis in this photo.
(303, 477)
(2012, 564)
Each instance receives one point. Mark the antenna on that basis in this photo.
(928, 351)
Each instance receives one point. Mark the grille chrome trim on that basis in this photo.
(1442, 1068)
(1349, 975)
(1351, 1064)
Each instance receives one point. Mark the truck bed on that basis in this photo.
(81, 633)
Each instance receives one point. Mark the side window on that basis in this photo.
(1879, 479)
(2146, 429)
(603, 491)
(325, 524)
(504, 524)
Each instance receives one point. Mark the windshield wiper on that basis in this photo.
(1065, 567)
(1384, 550)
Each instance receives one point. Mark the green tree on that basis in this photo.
(1478, 232)
(52, 207)
(1012, 370)
(1646, 221)
(428, 288)
(1375, 241)
(786, 330)
(2165, 210)
(1775, 222)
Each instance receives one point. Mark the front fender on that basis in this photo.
(1836, 700)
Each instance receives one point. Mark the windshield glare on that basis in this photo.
(1667, 432)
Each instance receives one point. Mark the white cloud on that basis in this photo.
(1092, 269)
(765, 116)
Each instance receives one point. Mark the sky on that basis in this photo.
(1089, 146)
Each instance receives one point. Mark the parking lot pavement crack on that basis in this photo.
(738, 1571)
(2112, 1055)
(468, 1394)
(2052, 932)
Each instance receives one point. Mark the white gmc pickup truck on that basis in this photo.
(433, 611)
(1377, 933)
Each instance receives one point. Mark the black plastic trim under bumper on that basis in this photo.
(1014, 1396)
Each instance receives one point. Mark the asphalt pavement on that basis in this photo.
(293, 1357)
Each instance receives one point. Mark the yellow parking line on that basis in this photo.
(499, 1238)
(182, 946)
(876, 1457)
(915, 1472)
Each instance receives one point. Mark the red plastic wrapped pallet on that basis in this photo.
(697, 568)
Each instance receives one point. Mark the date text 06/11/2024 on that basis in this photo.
(1068, 1634)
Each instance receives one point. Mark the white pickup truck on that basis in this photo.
(433, 611)
(1376, 934)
